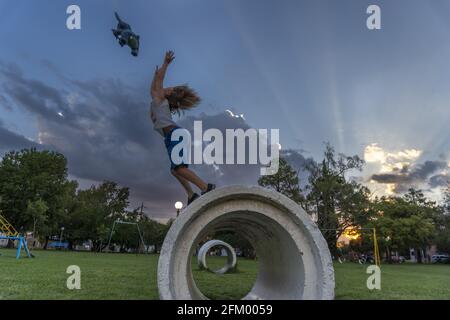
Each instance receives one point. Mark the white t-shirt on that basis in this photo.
(161, 116)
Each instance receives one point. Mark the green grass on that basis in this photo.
(129, 276)
(103, 276)
(398, 281)
(234, 285)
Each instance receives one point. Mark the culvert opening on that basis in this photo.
(279, 269)
(293, 258)
(217, 260)
(221, 279)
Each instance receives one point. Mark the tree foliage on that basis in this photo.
(404, 222)
(284, 181)
(337, 202)
(36, 195)
(30, 180)
(94, 212)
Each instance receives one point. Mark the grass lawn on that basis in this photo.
(129, 276)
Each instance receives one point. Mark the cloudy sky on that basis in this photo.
(310, 68)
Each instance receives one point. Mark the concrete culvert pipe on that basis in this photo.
(293, 257)
(205, 248)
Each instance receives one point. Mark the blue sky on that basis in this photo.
(310, 68)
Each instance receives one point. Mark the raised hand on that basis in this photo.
(170, 56)
(157, 88)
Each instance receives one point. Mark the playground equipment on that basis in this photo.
(141, 238)
(376, 250)
(293, 257)
(8, 232)
(231, 256)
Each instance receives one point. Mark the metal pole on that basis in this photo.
(110, 234)
(376, 251)
(142, 239)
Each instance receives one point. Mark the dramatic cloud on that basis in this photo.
(10, 140)
(390, 161)
(400, 171)
(103, 128)
(439, 180)
(5, 103)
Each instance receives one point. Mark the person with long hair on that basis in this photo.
(165, 103)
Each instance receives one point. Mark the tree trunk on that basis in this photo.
(46, 242)
(419, 255)
(34, 228)
(388, 252)
(332, 243)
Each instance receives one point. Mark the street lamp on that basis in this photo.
(178, 206)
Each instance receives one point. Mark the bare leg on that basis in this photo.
(190, 176)
(184, 183)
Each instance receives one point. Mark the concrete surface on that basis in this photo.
(293, 257)
(204, 249)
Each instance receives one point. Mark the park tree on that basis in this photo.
(31, 181)
(37, 212)
(438, 214)
(285, 181)
(403, 222)
(154, 232)
(95, 210)
(338, 203)
(442, 238)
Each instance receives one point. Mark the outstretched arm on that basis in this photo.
(157, 88)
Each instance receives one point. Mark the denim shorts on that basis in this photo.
(170, 145)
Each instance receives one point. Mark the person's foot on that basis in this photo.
(192, 198)
(209, 188)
